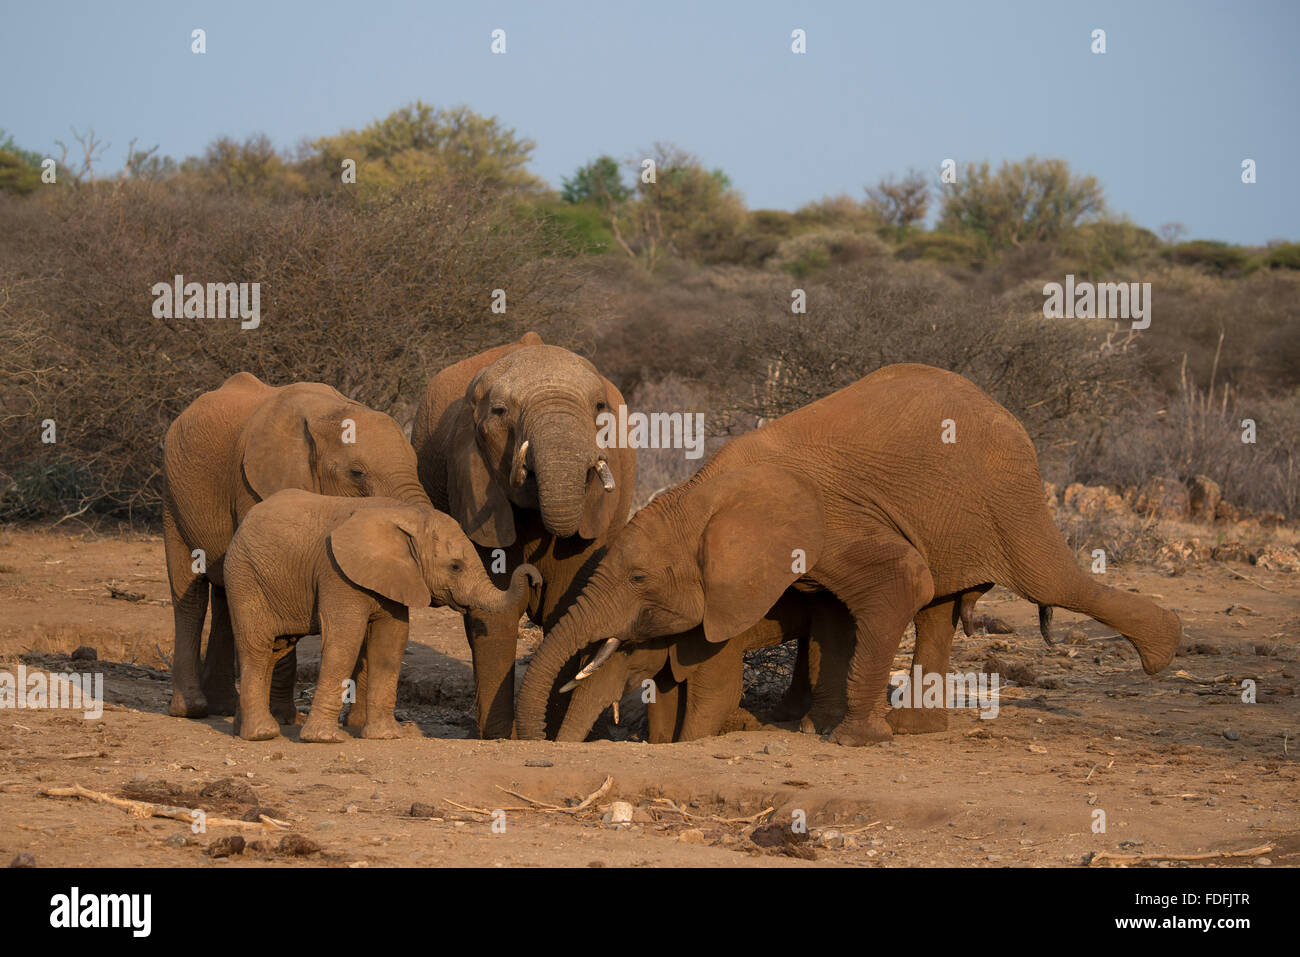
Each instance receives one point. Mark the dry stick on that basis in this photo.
(145, 809)
(540, 806)
(752, 819)
(1251, 580)
(1213, 856)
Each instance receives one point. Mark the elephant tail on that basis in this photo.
(1045, 623)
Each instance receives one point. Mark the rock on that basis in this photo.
(830, 838)
(1092, 499)
(1227, 512)
(692, 835)
(1163, 497)
(1186, 551)
(1278, 558)
(1262, 861)
(1231, 735)
(1239, 610)
(225, 846)
(1051, 494)
(620, 812)
(775, 747)
(1076, 636)
(423, 810)
(295, 845)
(1204, 497)
(539, 763)
(85, 653)
(178, 840)
(1231, 551)
(1204, 648)
(992, 626)
(23, 860)
(232, 788)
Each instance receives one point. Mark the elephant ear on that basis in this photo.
(376, 549)
(603, 510)
(279, 449)
(766, 530)
(474, 499)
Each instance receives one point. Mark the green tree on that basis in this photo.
(599, 182)
(1030, 201)
(420, 143)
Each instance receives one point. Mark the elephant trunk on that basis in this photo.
(592, 696)
(563, 455)
(408, 492)
(578, 628)
(483, 596)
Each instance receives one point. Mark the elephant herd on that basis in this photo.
(900, 499)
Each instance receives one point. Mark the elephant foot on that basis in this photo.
(806, 725)
(382, 730)
(918, 720)
(322, 732)
(356, 717)
(258, 729)
(188, 706)
(875, 730)
(221, 697)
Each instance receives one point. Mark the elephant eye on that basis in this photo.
(636, 578)
(456, 566)
(601, 407)
(498, 410)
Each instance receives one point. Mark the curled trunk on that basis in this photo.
(576, 630)
(486, 597)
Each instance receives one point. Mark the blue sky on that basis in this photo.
(1186, 91)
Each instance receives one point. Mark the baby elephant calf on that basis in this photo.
(348, 568)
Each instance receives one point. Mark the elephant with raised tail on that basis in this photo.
(229, 449)
(900, 495)
(507, 445)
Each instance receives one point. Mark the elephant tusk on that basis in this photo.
(615, 703)
(520, 471)
(606, 476)
(608, 648)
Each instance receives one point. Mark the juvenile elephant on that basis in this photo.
(900, 495)
(350, 569)
(698, 683)
(231, 448)
(506, 442)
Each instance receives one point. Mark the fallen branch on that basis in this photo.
(752, 819)
(541, 806)
(146, 809)
(1103, 856)
(1247, 578)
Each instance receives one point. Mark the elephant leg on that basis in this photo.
(385, 645)
(492, 643)
(189, 606)
(830, 649)
(713, 693)
(282, 687)
(219, 660)
(253, 718)
(342, 634)
(666, 711)
(935, 625)
(885, 592)
(361, 691)
(797, 699)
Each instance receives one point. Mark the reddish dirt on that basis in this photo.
(1178, 763)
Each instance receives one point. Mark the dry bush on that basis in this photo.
(372, 297)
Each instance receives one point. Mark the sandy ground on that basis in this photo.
(1178, 763)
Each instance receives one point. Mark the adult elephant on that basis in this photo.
(506, 443)
(899, 494)
(229, 449)
(697, 683)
